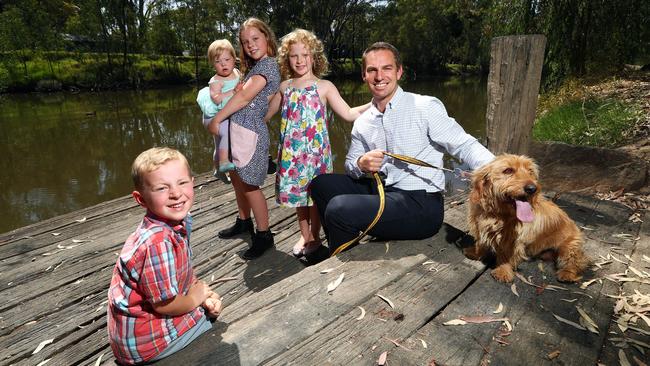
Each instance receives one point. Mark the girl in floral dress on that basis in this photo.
(304, 150)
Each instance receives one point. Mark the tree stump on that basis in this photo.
(513, 88)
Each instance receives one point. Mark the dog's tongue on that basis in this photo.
(524, 211)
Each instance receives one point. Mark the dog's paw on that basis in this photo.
(503, 273)
(565, 275)
(473, 253)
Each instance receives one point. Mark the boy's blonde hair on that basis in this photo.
(320, 66)
(272, 44)
(150, 160)
(218, 47)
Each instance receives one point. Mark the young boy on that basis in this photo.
(156, 306)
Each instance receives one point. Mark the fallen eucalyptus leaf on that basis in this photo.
(81, 220)
(569, 322)
(455, 322)
(499, 309)
(363, 313)
(513, 288)
(99, 360)
(333, 285)
(424, 344)
(41, 345)
(622, 358)
(387, 300)
(381, 361)
(591, 325)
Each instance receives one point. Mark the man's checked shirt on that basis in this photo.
(417, 126)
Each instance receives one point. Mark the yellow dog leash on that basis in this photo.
(382, 196)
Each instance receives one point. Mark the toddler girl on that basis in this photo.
(214, 97)
(246, 110)
(304, 150)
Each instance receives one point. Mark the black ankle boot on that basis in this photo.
(240, 227)
(262, 240)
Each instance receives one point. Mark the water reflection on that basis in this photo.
(63, 152)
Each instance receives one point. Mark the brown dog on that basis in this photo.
(509, 217)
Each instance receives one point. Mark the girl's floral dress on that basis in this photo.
(304, 150)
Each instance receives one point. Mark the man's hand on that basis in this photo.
(213, 305)
(371, 161)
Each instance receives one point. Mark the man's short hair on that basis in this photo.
(382, 46)
(150, 160)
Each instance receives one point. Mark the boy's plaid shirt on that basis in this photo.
(155, 265)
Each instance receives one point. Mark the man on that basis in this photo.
(402, 123)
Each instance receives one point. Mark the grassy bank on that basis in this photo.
(606, 113)
(28, 71)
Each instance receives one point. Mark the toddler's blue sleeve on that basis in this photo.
(206, 104)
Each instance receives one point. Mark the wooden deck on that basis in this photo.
(54, 277)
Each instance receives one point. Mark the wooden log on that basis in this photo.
(513, 86)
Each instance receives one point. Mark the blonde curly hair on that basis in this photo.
(320, 66)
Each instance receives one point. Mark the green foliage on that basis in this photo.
(603, 123)
(92, 71)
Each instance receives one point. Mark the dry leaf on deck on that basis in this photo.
(42, 344)
(424, 344)
(636, 272)
(498, 309)
(587, 283)
(363, 313)
(513, 288)
(553, 355)
(639, 362)
(43, 362)
(381, 361)
(592, 326)
(508, 325)
(455, 322)
(569, 300)
(481, 319)
(566, 321)
(387, 300)
(333, 285)
(81, 220)
(56, 234)
(99, 360)
(328, 270)
(387, 247)
(622, 358)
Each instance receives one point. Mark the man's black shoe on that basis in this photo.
(240, 227)
(317, 255)
(262, 240)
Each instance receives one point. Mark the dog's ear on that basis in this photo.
(480, 182)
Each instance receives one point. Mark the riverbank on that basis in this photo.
(620, 173)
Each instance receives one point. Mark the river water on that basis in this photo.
(62, 152)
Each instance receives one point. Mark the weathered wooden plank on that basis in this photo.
(22, 338)
(627, 342)
(536, 332)
(22, 282)
(368, 268)
(42, 240)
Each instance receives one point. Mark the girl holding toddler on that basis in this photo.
(246, 110)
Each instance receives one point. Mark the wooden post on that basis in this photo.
(513, 87)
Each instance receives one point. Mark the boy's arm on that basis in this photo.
(183, 304)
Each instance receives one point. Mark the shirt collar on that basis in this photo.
(176, 227)
(392, 103)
